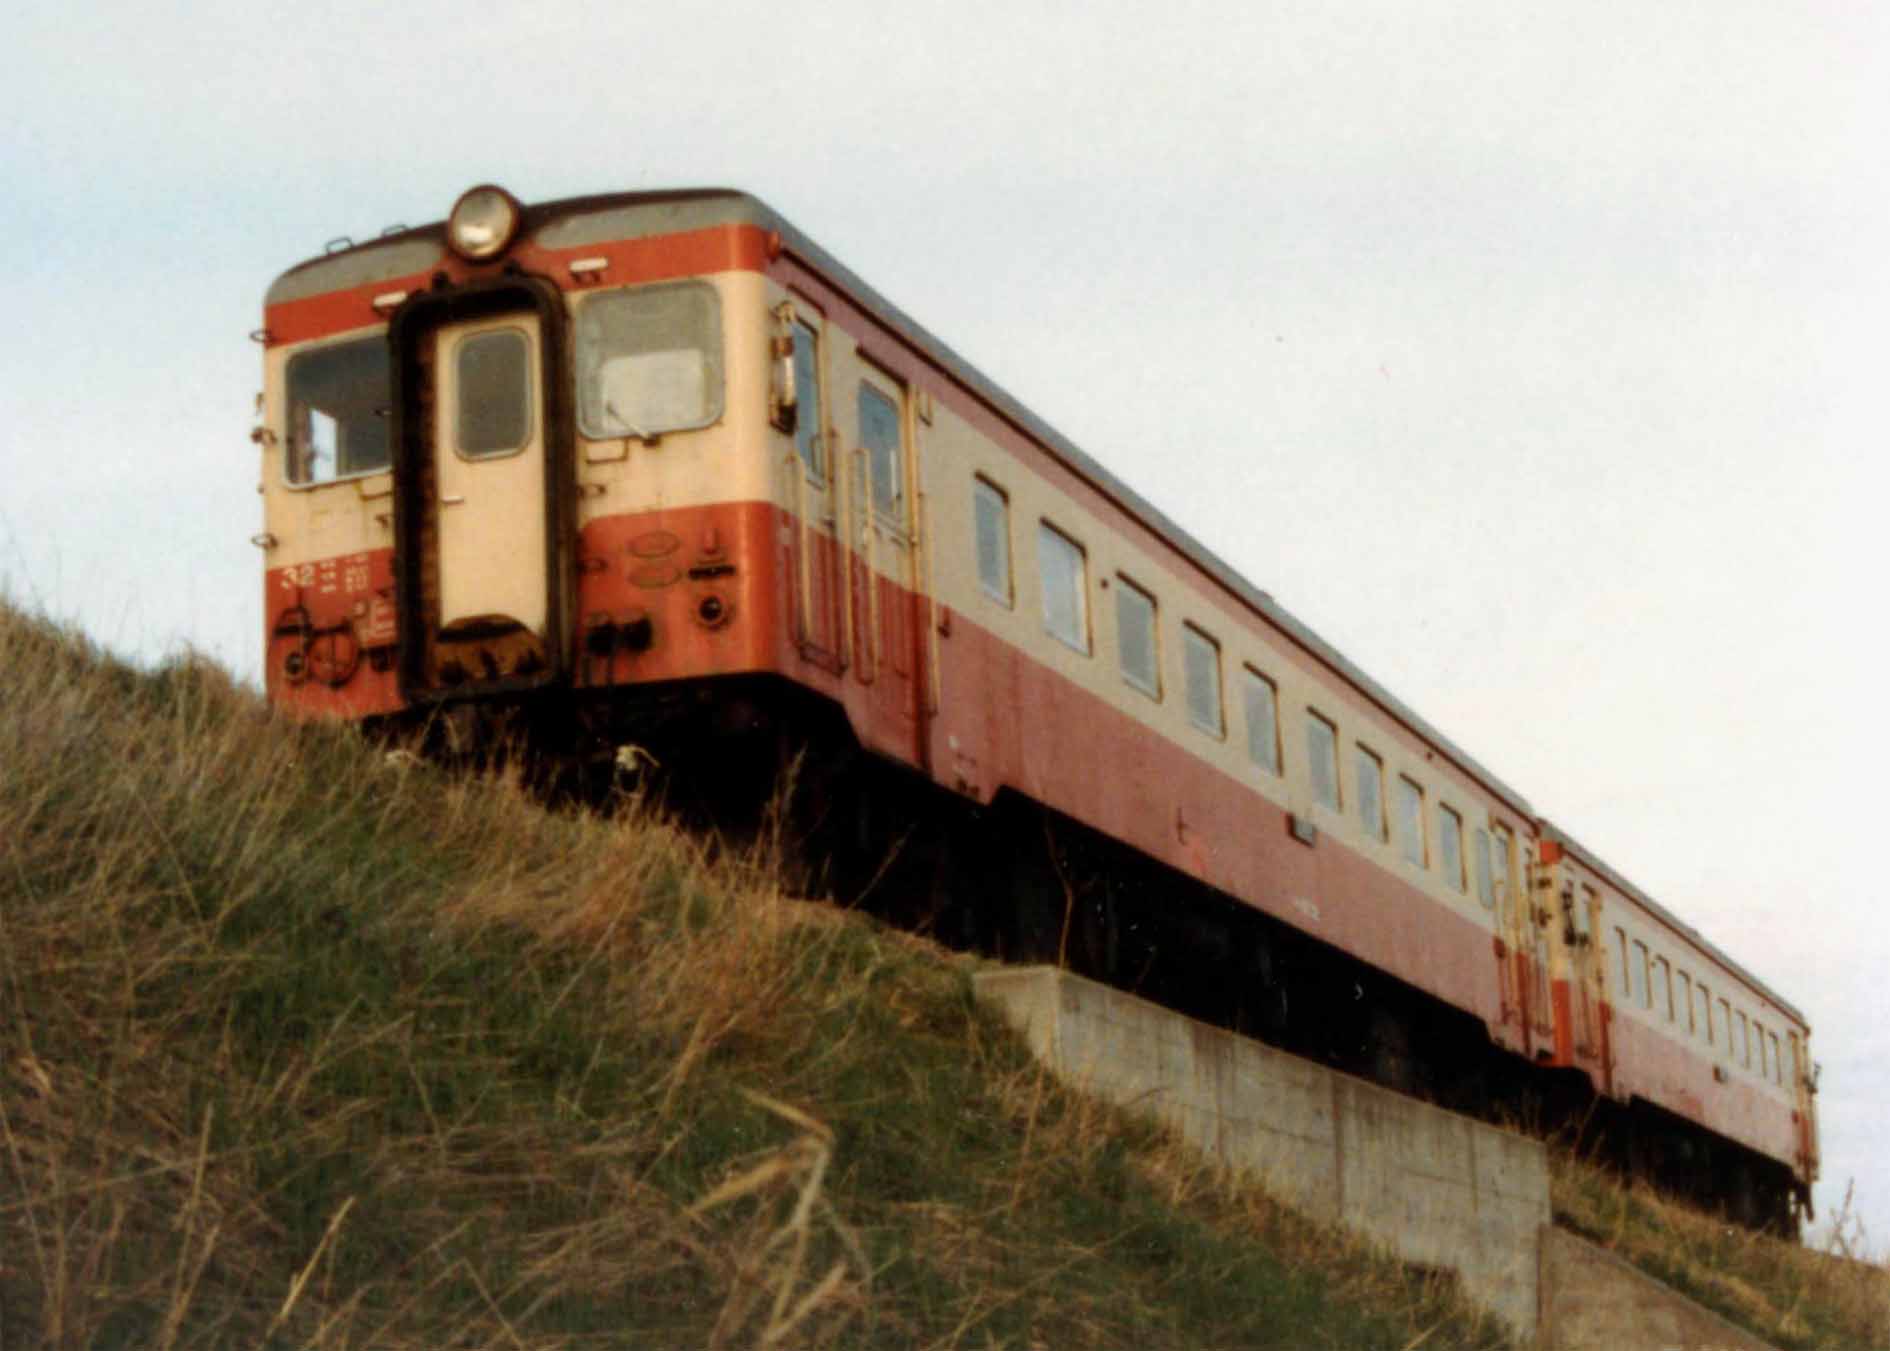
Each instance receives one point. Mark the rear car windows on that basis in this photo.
(340, 398)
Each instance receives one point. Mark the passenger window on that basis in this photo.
(1706, 1014)
(1686, 1000)
(1201, 666)
(1504, 846)
(1778, 1065)
(1627, 976)
(1369, 771)
(1136, 637)
(1663, 984)
(809, 421)
(1322, 750)
(339, 400)
(1745, 1042)
(1065, 578)
(649, 360)
(1411, 822)
(1450, 845)
(1643, 989)
(1725, 1021)
(991, 517)
(1480, 844)
(1765, 1061)
(1263, 720)
(881, 438)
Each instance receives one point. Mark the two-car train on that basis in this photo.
(654, 469)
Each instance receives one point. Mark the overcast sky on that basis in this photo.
(1530, 353)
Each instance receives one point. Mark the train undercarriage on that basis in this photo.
(1015, 880)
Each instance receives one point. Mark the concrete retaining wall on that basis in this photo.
(1594, 1301)
(1433, 1187)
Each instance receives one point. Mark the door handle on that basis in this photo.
(453, 500)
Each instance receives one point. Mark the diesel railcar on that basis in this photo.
(655, 470)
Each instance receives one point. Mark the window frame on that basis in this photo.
(1334, 801)
(1253, 680)
(1152, 687)
(810, 431)
(529, 389)
(375, 341)
(983, 490)
(1449, 827)
(1411, 811)
(1368, 767)
(580, 338)
(1047, 531)
(1483, 866)
(873, 382)
(1195, 639)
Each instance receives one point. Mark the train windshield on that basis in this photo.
(649, 360)
(339, 403)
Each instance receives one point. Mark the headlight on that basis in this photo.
(483, 224)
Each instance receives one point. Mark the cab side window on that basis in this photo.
(880, 437)
(809, 443)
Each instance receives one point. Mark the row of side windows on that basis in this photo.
(1656, 985)
(1405, 817)
(1062, 567)
(1063, 574)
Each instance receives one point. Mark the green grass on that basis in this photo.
(303, 1045)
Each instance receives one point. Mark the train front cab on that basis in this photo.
(601, 451)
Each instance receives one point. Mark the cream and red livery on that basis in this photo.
(654, 468)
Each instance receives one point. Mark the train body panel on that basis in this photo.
(723, 455)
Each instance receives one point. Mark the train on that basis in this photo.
(651, 477)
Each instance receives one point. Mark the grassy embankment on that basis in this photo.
(303, 1048)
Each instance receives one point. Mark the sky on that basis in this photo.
(1530, 353)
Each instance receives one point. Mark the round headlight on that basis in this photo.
(483, 224)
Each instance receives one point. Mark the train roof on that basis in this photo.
(576, 221)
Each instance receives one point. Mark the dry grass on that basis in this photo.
(1789, 1294)
(305, 1045)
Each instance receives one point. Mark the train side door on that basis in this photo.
(887, 599)
(1805, 1103)
(1523, 956)
(1547, 1019)
(479, 468)
(1587, 958)
(815, 574)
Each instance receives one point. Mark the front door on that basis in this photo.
(478, 471)
(489, 468)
